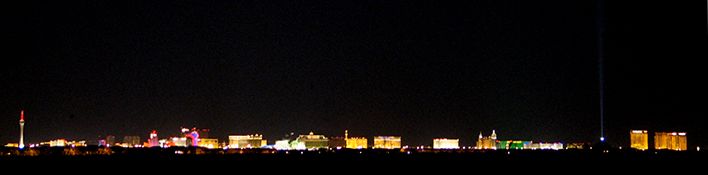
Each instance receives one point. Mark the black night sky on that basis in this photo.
(528, 69)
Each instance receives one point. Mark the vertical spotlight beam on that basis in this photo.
(600, 66)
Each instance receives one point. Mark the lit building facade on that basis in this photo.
(487, 142)
(282, 144)
(544, 146)
(512, 144)
(387, 142)
(445, 143)
(312, 141)
(208, 143)
(639, 139)
(246, 141)
(154, 141)
(178, 141)
(355, 142)
(132, 141)
(57, 143)
(670, 141)
(80, 143)
(12, 145)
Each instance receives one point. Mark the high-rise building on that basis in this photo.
(487, 142)
(110, 140)
(154, 141)
(355, 142)
(639, 139)
(131, 141)
(246, 141)
(313, 141)
(387, 142)
(670, 141)
(22, 130)
(192, 135)
(445, 143)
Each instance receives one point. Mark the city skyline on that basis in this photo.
(418, 70)
(191, 137)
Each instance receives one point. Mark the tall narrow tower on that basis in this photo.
(494, 135)
(22, 129)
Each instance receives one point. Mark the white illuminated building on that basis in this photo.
(282, 145)
(545, 146)
(246, 141)
(444, 143)
(179, 141)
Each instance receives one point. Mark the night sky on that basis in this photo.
(528, 69)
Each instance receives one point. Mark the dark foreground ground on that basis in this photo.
(199, 154)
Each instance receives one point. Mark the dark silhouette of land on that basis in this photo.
(203, 154)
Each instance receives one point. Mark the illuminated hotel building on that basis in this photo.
(487, 142)
(178, 141)
(12, 145)
(387, 142)
(153, 141)
(246, 141)
(639, 139)
(193, 135)
(110, 140)
(512, 144)
(355, 142)
(208, 143)
(131, 141)
(544, 146)
(670, 141)
(80, 143)
(56, 143)
(312, 141)
(444, 143)
(282, 145)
